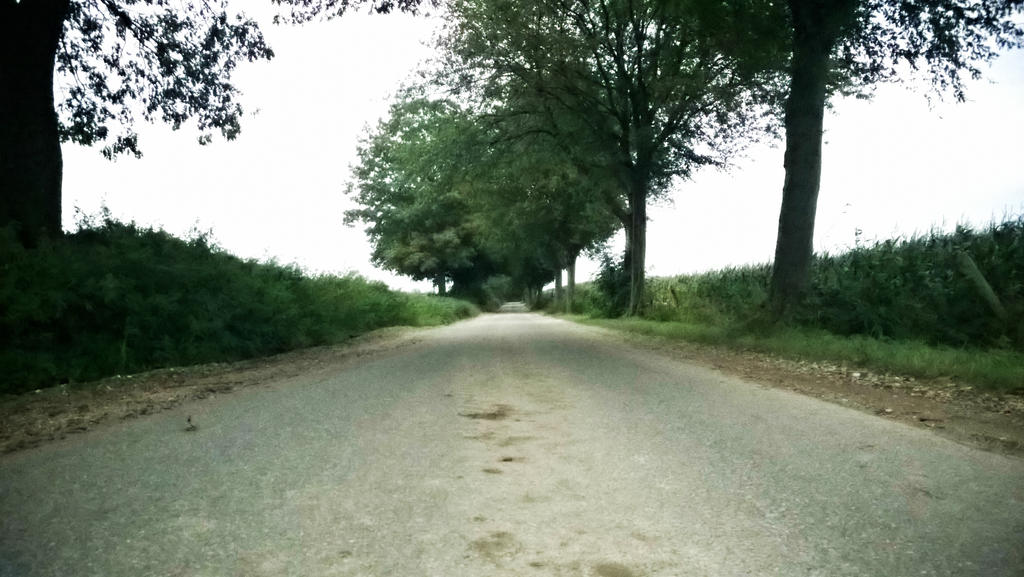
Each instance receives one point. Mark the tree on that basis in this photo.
(412, 188)
(637, 92)
(116, 61)
(301, 11)
(536, 202)
(447, 199)
(851, 45)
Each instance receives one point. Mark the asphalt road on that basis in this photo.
(512, 445)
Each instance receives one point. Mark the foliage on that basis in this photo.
(914, 288)
(167, 61)
(612, 285)
(116, 298)
(590, 301)
(947, 39)
(155, 58)
(411, 186)
(848, 46)
(538, 211)
(635, 93)
(906, 289)
(85, 71)
(736, 293)
(627, 87)
(445, 197)
(299, 11)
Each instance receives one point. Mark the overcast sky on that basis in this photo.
(892, 166)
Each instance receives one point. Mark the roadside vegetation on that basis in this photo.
(909, 306)
(535, 135)
(115, 298)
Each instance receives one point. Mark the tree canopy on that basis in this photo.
(156, 60)
(116, 62)
(446, 197)
(636, 91)
(540, 211)
(412, 190)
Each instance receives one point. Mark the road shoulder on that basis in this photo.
(993, 422)
(46, 415)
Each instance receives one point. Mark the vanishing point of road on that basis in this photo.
(511, 445)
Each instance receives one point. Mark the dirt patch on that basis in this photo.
(496, 546)
(515, 440)
(492, 471)
(497, 413)
(959, 411)
(613, 570)
(46, 415)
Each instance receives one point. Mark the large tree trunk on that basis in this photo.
(816, 27)
(439, 284)
(570, 293)
(532, 296)
(30, 159)
(558, 287)
(636, 245)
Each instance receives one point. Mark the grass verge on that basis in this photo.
(994, 370)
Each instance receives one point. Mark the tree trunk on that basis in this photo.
(970, 270)
(30, 158)
(570, 293)
(532, 295)
(636, 244)
(558, 288)
(816, 27)
(439, 283)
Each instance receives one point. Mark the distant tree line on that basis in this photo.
(446, 199)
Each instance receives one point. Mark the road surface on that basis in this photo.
(511, 445)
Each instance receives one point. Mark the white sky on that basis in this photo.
(891, 166)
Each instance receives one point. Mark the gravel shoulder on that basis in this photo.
(56, 413)
(957, 411)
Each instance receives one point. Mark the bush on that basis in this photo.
(728, 295)
(911, 289)
(914, 288)
(612, 284)
(116, 298)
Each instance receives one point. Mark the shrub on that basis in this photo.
(911, 289)
(915, 288)
(612, 284)
(117, 298)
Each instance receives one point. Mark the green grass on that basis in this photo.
(992, 369)
(115, 298)
(430, 310)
